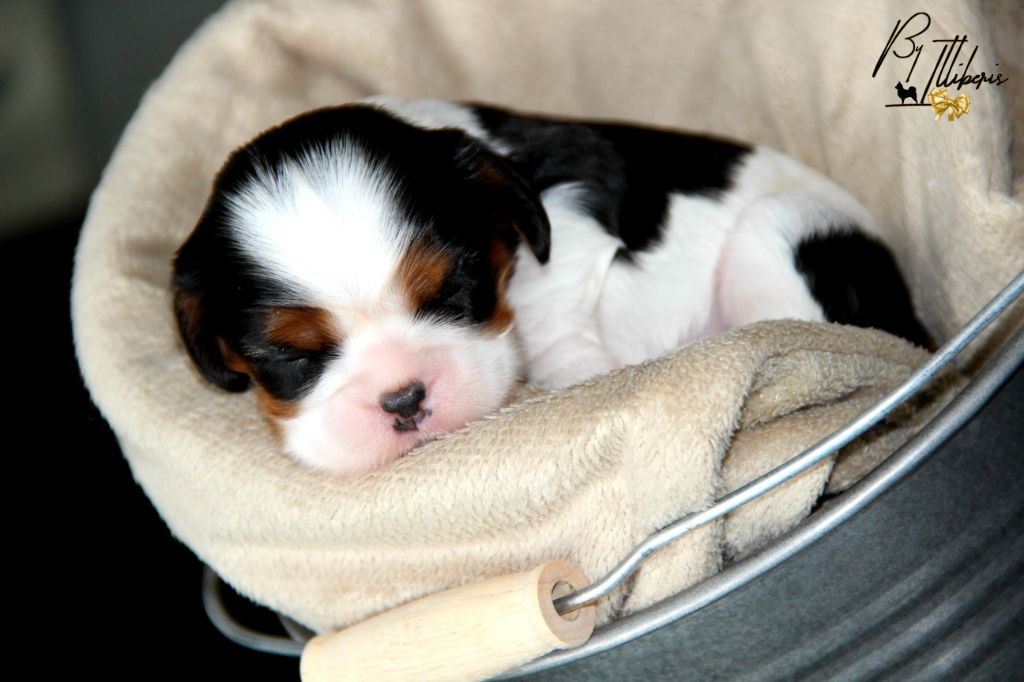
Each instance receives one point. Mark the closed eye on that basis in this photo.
(289, 348)
(452, 302)
(292, 354)
(287, 372)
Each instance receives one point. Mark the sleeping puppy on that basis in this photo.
(387, 271)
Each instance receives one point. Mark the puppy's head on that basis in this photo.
(353, 268)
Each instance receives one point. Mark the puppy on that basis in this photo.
(385, 272)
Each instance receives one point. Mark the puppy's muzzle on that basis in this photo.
(407, 406)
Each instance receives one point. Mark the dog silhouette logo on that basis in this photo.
(904, 93)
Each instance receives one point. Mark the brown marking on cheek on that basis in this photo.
(302, 328)
(276, 409)
(503, 261)
(273, 407)
(422, 273)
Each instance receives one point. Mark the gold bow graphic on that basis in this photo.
(942, 102)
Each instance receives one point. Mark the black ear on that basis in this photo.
(511, 196)
(205, 345)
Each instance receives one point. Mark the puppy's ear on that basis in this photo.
(510, 197)
(207, 348)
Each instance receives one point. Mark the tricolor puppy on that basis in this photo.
(386, 272)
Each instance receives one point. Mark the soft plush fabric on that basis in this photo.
(585, 473)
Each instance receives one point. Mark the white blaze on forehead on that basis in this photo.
(326, 222)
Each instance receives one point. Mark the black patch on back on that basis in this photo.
(855, 280)
(627, 172)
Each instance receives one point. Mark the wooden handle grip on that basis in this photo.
(466, 633)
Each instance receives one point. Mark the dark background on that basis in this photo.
(101, 587)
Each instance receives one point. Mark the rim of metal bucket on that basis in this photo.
(895, 468)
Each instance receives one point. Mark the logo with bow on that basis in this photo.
(951, 61)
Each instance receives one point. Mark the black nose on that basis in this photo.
(405, 403)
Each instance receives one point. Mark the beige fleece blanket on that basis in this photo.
(585, 473)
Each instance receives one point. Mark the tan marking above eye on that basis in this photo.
(302, 328)
(422, 273)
